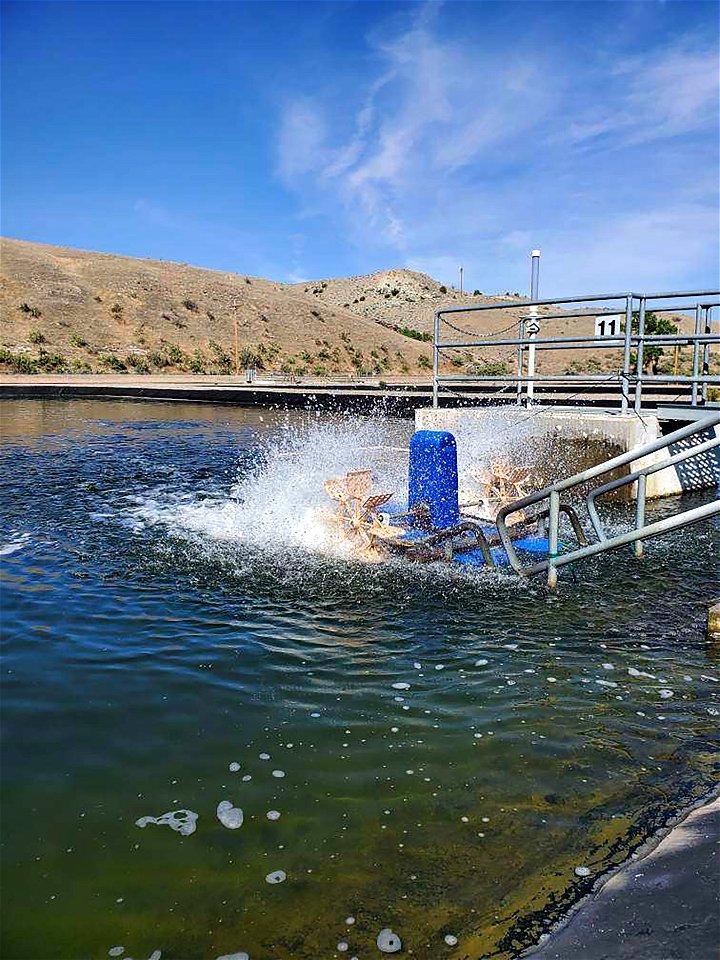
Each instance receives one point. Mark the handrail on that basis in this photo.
(628, 336)
(552, 494)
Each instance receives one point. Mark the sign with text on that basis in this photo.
(608, 326)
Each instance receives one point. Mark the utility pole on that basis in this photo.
(237, 351)
(533, 327)
(462, 270)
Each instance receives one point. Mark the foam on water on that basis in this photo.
(276, 504)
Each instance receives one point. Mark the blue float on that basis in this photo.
(433, 477)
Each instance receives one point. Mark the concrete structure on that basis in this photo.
(662, 904)
(578, 437)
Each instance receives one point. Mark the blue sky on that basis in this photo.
(304, 140)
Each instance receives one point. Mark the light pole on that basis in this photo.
(462, 271)
(533, 327)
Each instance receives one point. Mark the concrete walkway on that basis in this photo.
(664, 906)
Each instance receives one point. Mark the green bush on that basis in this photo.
(113, 362)
(487, 368)
(19, 362)
(33, 311)
(424, 363)
(36, 336)
(138, 363)
(414, 334)
(251, 359)
(197, 362)
(77, 341)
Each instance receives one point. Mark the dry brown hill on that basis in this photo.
(66, 310)
(69, 309)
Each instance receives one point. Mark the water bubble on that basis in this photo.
(247, 778)
(439, 666)
(401, 685)
(582, 871)
(481, 663)
(450, 940)
(349, 921)
(273, 814)
(264, 756)
(315, 715)
(666, 694)
(388, 942)
(229, 816)
(418, 666)
(278, 773)
(155, 955)
(235, 956)
(116, 951)
(234, 767)
(277, 876)
(342, 946)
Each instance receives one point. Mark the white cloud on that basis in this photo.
(456, 155)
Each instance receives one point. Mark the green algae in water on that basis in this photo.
(145, 653)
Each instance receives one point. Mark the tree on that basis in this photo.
(653, 325)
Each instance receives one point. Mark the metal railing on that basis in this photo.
(606, 542)
(626, 333)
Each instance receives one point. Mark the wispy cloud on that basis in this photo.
(453, 154)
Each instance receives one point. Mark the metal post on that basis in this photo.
(706, 356)
(640, 359)
(461, 279)
(553, 534)
(696, 354)
(625, 379)
(640, 512)
(436, 357)
(534, 288)
(520, 359)
(237, 351)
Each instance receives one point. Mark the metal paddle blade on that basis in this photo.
(358, 484)
(377, 500)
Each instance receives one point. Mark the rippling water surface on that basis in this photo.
(169, 609)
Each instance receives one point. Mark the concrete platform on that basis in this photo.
(661, 906)
(570, 440)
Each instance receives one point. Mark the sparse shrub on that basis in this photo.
(319, 370)
(80, 366)
(114, 363)
(36, 336)
(174, 354)
(424, 363)
(98, 299)
(414, 334)
(477, 293)
(138, 363)
(210, 316)
(443, 289)
(158, 359)
(487, 368)
(457, 361)
(395, 291)
(77, 341)
(197, 362)
(18, 362)
(190, 305)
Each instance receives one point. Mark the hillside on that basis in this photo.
(69, 309)
(66, 310)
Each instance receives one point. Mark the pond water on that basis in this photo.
(412, 748)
